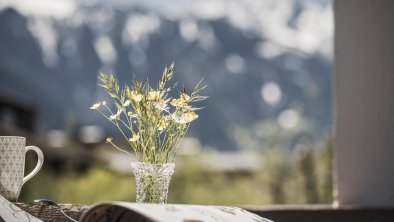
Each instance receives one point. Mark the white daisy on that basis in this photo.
(116, 114)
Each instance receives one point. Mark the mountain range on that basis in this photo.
(53, 64)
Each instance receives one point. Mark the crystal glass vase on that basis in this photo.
(152, 181)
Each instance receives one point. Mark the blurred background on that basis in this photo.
(264, 136)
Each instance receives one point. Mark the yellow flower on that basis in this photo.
(134, 138)
(104, 103)
(95, 106)
(153, 95)
(174, 102)
(162, 124)
(185, 117)
(182, 101)
(127, 103)
(190, 116)
(187, 107)
(109, 140)
(177, 102)
(185, 97)
(136, 97)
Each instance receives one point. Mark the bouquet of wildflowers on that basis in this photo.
(152, 123)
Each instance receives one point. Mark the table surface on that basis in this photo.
(53, 213)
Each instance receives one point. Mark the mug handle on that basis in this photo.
(39, 162)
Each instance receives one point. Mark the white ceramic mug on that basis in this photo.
(12, 165)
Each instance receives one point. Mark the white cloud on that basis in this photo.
(311, 31)
(209, 9)
(43, 8)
